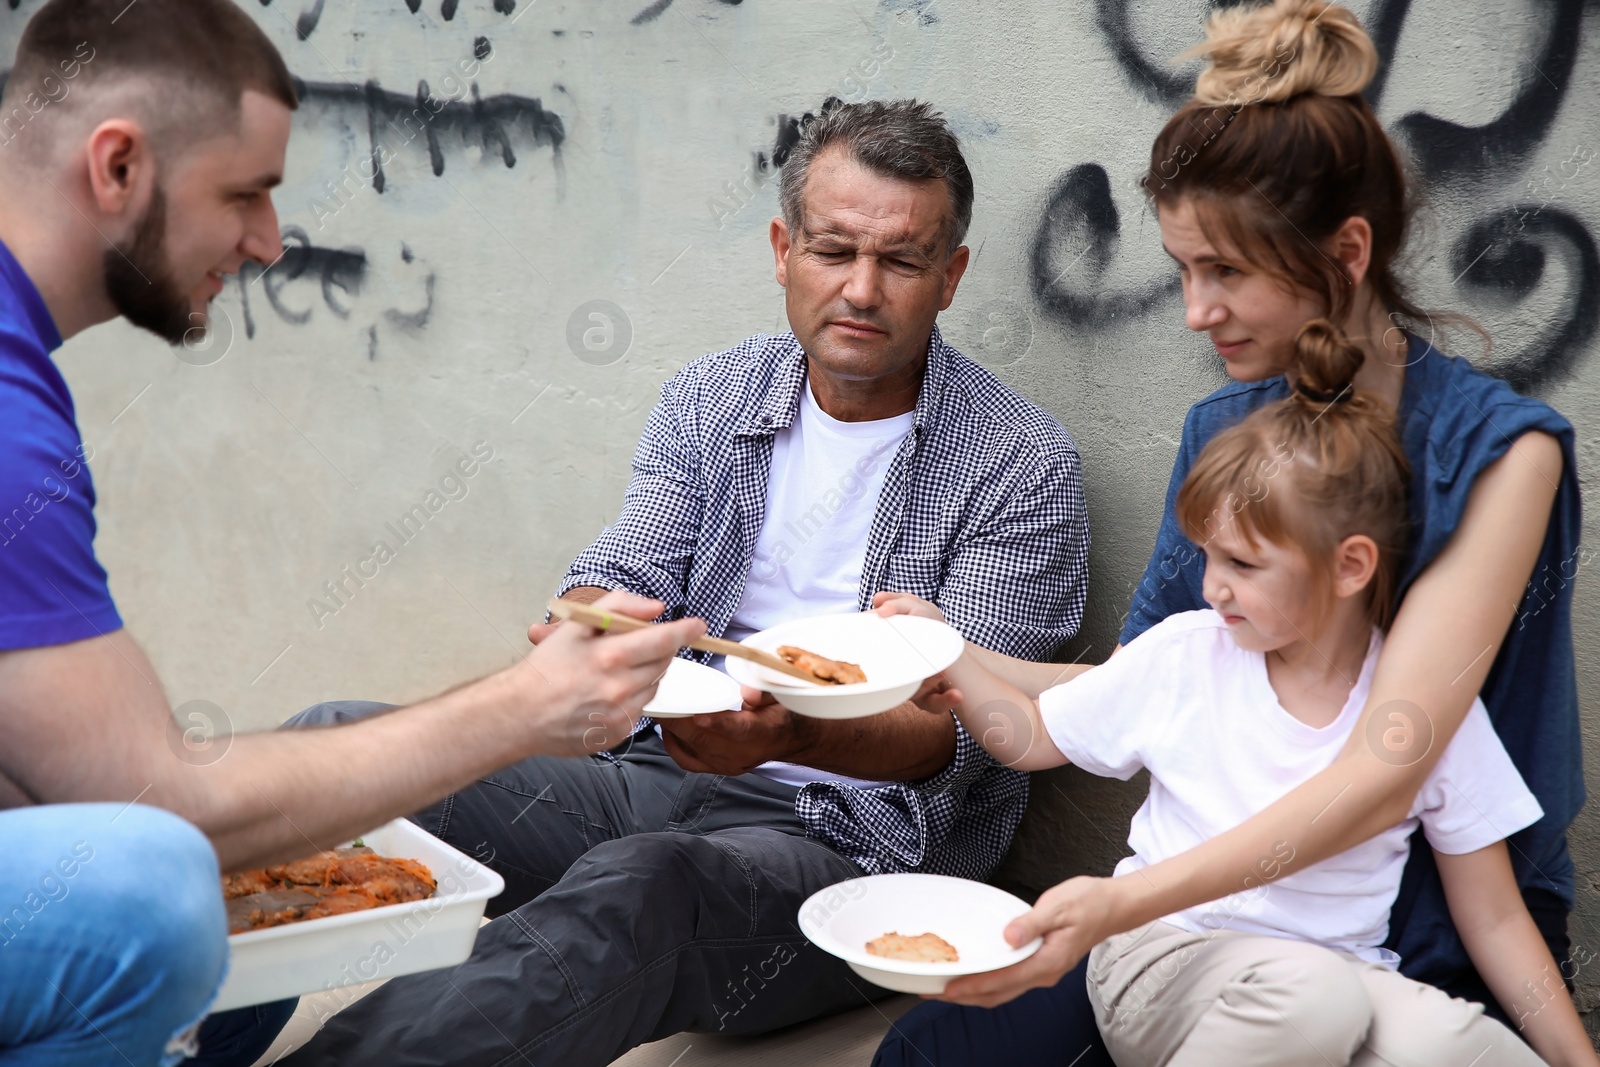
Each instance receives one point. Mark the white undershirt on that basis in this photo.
(822, 494)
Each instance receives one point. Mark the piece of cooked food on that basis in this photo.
(329, 883)
(245, 883)
(923, 948)
(824, 669)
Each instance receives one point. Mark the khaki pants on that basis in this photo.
(1163, 995)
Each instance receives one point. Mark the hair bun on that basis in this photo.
(1279, 50)
(1325, 363)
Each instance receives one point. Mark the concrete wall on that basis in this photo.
(621, 152)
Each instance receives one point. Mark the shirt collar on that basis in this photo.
(934, 376)
(27, 294)
(782, 399)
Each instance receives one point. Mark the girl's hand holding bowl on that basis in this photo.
(968, 916)
(1071, 918)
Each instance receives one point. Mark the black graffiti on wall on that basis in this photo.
(1501, 260)
(306, 24)
(655, 9)
(1078, 239)
(309, 18)
(336, 279)
(1500, 256)
(789, 127)
(497, 125)
(1440, 147)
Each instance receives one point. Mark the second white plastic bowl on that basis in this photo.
(970, 915)
(897, 654)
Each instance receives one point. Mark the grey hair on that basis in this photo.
(904, 139)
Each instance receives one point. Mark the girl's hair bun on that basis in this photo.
(1325, 363)
(1272, 52)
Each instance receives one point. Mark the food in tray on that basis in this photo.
(329, 883)
(923, 948)
(828, 670)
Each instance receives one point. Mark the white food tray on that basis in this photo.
(396, 939)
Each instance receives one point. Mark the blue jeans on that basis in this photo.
(1051, 1027)
(113, 936)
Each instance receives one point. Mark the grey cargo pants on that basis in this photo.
(641, 900)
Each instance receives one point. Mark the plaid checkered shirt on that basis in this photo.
(981, 512)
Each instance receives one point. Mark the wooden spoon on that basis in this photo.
(605, 620)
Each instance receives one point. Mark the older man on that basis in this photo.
(655, 889)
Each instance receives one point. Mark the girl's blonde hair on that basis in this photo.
(1309, 471)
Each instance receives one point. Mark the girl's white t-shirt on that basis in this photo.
(1184, 701)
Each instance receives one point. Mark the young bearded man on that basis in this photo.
(145, 140)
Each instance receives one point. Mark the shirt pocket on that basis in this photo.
(921, 576)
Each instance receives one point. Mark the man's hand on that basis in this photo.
(581, 594)
(585, 689)
(886, 604)
(937, 695)
(1072, 917)
(270, 796)
(733, 742)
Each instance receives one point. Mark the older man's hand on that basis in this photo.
(734, 742)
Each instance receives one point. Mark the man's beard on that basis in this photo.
(140, 284)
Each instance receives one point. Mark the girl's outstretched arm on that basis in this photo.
(1505, 946)
(1003, 719)
(1029, 677)
(995, 696)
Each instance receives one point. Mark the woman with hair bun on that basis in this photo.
(1283, 201)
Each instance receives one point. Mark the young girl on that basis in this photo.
(1301, 512)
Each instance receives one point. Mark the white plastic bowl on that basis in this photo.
(897, 654)
(396, 939)
(971, 916)
(690, 688)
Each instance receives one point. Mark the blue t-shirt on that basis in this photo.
(52, 589)
(1454, 421)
